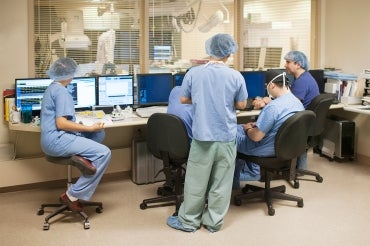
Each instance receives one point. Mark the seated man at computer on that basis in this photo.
(305, 87)
(184, 111)
(258, 138)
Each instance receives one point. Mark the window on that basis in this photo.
(161, 36)
(94, 33)
(274, 27)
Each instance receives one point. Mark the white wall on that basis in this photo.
(13, 48)
(346, 36)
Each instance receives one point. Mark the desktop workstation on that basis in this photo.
(119, 135)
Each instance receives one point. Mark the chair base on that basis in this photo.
(62, 208)
(301, 172)
(171, 193)
(163, 201)
(267, 195)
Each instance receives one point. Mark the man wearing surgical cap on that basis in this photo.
(61, 136)
(305, 87)
(215, 91)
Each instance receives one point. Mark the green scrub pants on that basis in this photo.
(209, 175)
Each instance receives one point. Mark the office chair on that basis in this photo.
(62, 207)
(290, 142)
(320, 106)
(167, 139)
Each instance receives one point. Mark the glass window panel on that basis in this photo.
(274, 27)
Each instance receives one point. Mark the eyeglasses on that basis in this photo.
(276, 77)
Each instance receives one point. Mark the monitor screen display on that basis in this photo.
(153, 88)
(116, 90)
(84, 92)
(162, 52)
(30, 91)
(177, 79)
(255, 82)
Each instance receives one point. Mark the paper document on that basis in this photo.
(89, 118)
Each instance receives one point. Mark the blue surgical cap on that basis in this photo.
(62, 69)
(298, 57)
(220, 46)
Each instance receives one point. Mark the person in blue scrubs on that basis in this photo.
(258, 138)
(215, 90)
(184, 111)
(61, 136)
(305, 87)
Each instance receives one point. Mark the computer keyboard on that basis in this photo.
(148, 111)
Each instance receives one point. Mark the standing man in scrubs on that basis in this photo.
(215, 91)
(61, 136)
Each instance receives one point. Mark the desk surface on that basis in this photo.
(136, 121)
(121, 123)
(357, 109)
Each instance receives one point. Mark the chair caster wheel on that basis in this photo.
(46, 226)
(143, 206)
(40, 211)
(99, 210)
(271, 211)
(86, 225)
(296, 184)
(237, 201)
(319, 179)
(300, 204)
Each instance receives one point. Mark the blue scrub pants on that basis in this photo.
(209, 175)
(87, 145)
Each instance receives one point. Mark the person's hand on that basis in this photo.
(97, 127)
(258, 103)
(248, 126)
(266, 100)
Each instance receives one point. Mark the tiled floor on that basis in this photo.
(335, 212)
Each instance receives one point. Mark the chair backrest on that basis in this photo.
(167, 134)
(320, 106)
(291, 138)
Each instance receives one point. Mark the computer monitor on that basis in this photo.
(84, 92)
(318, 75)
(177, 79)
(255, 82)
(116, 90)
(153, 88)
(162, 52)
(30, 91)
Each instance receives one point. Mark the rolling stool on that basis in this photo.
(62, 207)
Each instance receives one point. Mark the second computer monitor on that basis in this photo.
(84, 92)
(153, 88)
(177, 79)
(116, 90)
(255, 82)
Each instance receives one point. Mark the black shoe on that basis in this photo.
(84, 165)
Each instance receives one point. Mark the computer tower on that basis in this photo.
(338, 139)
(145, 166)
